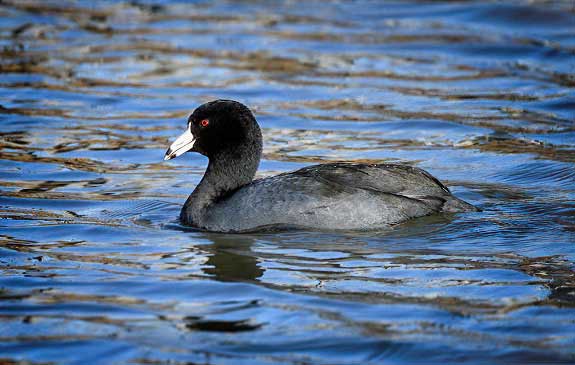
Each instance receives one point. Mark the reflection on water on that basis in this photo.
(96, 269)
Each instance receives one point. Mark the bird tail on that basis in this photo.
(455, 205)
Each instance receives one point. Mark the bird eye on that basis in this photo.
(204, 123)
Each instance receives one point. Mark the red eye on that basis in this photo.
(205, 123)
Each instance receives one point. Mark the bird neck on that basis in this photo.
(227, 171)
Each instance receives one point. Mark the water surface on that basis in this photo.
(97, 270)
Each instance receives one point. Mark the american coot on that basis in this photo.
(330, 196)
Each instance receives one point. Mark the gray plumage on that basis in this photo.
(326, 197)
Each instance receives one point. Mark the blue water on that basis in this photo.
(96, 269)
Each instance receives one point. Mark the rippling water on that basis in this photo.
(96, 269)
